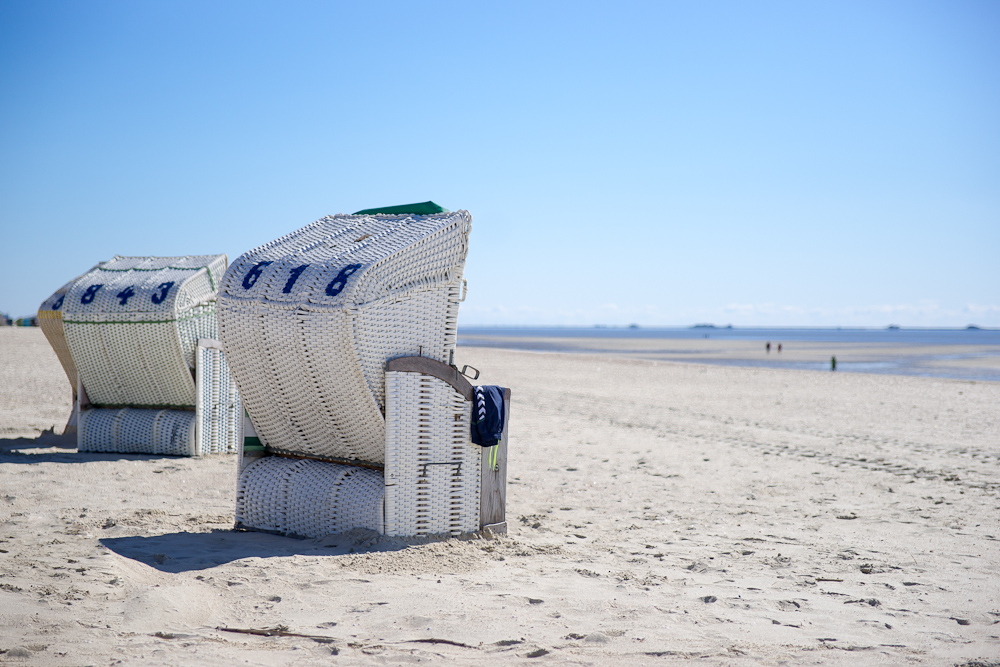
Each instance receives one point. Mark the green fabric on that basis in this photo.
(423, 208)
(252, 443)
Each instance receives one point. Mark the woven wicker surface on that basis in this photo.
(308, 498)
(432, 468)
(219, 405)
(50, 320)
(132, 325)
(137, 431)
(309, 320)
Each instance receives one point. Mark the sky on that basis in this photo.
(661, 163)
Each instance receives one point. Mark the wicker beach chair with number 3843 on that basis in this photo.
(137, 336)
(340, 336)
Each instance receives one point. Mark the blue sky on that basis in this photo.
(664, 163)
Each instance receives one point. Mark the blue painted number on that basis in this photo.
(164, 288)
(125, 295)
(250, 279)
(338, 284)
(58, 304)
(88, 296)
(293, 275)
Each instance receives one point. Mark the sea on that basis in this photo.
(945, 362)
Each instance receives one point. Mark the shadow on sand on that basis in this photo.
(19, 450)
(43, 440)
(185, 552)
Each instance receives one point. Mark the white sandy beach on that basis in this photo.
(659, 513)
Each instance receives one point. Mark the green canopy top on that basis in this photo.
(422, 208)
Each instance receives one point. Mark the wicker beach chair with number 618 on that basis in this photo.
(137, 337)
(341, 336)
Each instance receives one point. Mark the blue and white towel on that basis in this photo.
(487, 415)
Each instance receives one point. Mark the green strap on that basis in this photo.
(162, 268)
(422, 208)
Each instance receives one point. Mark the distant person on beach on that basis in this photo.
(779, 347)
(833, 363)
(768, 347)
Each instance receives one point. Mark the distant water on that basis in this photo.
(838, 335)
(925, 365)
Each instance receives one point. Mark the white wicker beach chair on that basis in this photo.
(309, 323)
(138, 334)
(50, 320)
(434, 481)
(309, 320)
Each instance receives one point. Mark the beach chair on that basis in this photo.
(339, 432)
(137, 337)
(50, 321)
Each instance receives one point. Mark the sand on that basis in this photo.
(660, 513)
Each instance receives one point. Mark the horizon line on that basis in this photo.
(889, 327)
